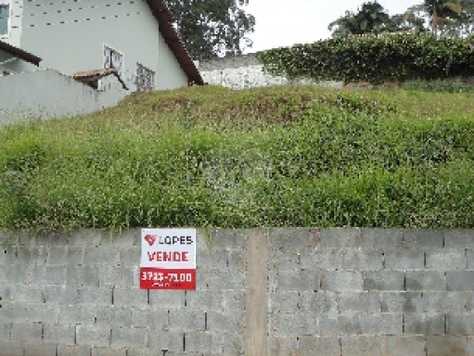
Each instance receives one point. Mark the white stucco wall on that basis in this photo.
(49, 94)
(246, 71)
(13, 65)
(70, 36)
(169, 75)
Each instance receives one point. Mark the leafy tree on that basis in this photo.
(442, 12)
(370, 18)
(213, 27)
(412, 20)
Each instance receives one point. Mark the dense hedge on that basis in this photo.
(374, 58)
(272, 157)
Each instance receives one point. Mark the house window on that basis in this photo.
(4, 16)
(113, 59)
(145, 78)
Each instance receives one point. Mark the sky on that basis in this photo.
(286, 22)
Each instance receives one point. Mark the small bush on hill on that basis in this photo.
(374, 58)
(290, 156)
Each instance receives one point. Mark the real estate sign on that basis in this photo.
(168, 260)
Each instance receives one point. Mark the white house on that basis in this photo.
(84, 39)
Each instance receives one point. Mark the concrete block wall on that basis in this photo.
(292, 292)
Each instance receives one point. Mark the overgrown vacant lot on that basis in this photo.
(288, 156)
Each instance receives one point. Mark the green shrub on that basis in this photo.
(360, 158)
(374, 58)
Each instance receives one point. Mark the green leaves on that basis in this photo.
(282, 156)
(374, 58)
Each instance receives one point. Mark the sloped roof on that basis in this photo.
(165, 19)
(19, 53)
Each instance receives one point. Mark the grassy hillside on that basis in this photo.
(288, 156)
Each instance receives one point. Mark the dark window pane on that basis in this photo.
(4, 13)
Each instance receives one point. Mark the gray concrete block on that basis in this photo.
(75, 314)
(362, 260)
(470, 259)
(298, 280)
(166, 340)
(404, 346)
(460, 324)
(130, 297)
(183, 320)
(383, 280)
(58, 294)
(26, 332)
(102, 255)
(398, 302)
(59, 333)
(425, 280)
(82, 276)
(93, 335)
(130, 257)
(311, 345)
(206, 299)
(294, 324)
(68, 295)
(446, 259)
(40, 350)
(446, 346)
(328, 326)
(108, 316)
(461, 281)
(220, 281)
(11, 348)
(201, 342)
(457, 302)
(20, 294)
(340, 238)
(167, 300)
(8, 255)
(118, 276)
(234, 239)
(381, 239)
(107, 351)
(140, 351)
(342, 281)
(328, 259)
(318, 303)
(126, 239)
(424, 324)
(129, 337)
(57, 255)
(370, 324)
(149, 318)
(284, 301)
(218, 322)
(367, 302)
(461, 239)
(19, 273)
(5, 330)
(73, 350)
(362, 346)
(283, 346)
(22, 312)
(404, 259)
(423, 239)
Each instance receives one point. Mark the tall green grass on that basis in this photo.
(289, 156)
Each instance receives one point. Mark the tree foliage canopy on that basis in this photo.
(447, 18)
(213, 27)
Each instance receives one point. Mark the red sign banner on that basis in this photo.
(168, 260)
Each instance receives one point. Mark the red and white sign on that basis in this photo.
(168, 259)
